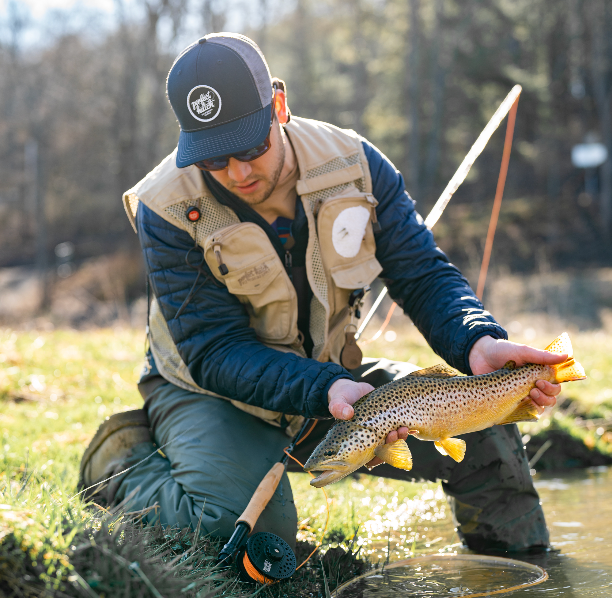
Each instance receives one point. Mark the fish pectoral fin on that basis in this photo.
(437, 371)
(396, 454)
(453, 447)
(525, 412)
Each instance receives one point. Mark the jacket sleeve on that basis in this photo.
(430, 290)
(213, 336)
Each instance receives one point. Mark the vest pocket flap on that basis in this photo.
(255, 278)
(356, 276)
(330, 179)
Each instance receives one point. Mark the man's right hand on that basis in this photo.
(343, 394)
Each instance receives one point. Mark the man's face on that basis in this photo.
(254, 181)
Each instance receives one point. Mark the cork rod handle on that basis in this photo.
(262, 496)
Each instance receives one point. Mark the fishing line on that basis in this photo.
(133, 466)
(326, 505)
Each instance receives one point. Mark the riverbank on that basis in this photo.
(57, 386)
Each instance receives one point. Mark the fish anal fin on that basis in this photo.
(440, 448)
(441, 370)
(562, 344)
(509, 365)
(453, 447)
(525, 412)
(396, 454)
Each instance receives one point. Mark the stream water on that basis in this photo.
(578, 508)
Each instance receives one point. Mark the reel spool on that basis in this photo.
(267, 558)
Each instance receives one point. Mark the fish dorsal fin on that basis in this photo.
(441, 370)
(509, 365)
(453, 447)
(396, 454)
(562, 344)
(525, 412)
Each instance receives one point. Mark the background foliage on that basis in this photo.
(418, 78)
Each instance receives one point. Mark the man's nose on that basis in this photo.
(238, 171)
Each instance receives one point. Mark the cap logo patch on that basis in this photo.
(204, 103)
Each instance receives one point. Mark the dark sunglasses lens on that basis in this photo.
(254, 153)
(221, 162)
(213, 163)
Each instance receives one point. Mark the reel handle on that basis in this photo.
(262, 496)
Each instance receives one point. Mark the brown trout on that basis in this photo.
(435, 404)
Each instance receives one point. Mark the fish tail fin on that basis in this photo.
(453, 447)
(570, 369)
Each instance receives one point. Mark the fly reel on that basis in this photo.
(266, 558)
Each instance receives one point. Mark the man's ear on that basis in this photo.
(281, 108)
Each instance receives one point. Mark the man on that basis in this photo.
(258, 233)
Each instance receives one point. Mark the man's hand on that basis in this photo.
(489, 354)
(343, 394)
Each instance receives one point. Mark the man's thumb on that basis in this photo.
(340, 409)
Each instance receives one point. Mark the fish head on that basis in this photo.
(346, 447)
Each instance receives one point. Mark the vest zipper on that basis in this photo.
(217, 251)
(373, 203)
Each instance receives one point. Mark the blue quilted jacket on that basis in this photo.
(221, 351)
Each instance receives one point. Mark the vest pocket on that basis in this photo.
(256, 276)
(347, 245)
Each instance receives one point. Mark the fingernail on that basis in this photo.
(535, 394)
(346, 412)
(540, 384)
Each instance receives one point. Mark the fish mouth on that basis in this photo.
(332, 472)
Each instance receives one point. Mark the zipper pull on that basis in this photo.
(222, 267)
(373, 203)
(289, 264)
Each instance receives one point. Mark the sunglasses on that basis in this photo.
(221, 162)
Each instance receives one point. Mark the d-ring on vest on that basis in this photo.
(336, 190)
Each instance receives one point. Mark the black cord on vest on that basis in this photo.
(201, 272)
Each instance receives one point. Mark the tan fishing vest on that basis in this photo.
(336, 190)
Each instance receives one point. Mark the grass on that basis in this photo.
(57, 386)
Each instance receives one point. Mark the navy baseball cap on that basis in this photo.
(221, 92)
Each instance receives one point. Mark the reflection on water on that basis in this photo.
(578, 508)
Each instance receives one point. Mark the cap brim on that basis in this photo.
(230, 138)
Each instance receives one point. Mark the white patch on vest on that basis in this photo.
(349, 229)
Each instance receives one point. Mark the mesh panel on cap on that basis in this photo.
(248, 50)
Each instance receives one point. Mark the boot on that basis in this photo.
(109, 448)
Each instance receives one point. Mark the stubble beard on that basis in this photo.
(270, 182)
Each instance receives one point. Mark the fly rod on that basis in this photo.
(456, 181)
